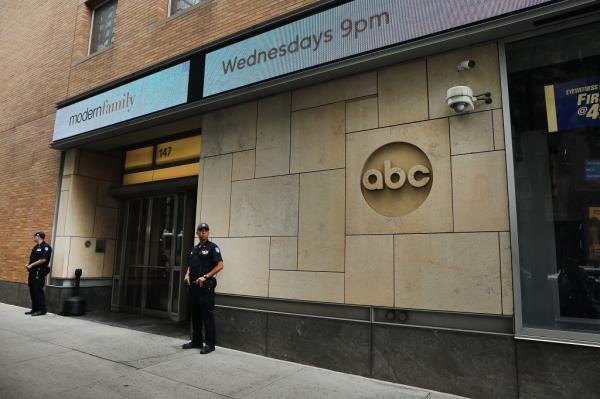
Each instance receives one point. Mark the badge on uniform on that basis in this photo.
(39, 250)
(205, 252)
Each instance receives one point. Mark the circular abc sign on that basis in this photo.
(396, 179)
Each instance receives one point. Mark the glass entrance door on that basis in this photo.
(157, 231)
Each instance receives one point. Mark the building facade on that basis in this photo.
(401, 189)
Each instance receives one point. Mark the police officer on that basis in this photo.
(204, 262)
(38, 268)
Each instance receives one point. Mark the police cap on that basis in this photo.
(202, 226)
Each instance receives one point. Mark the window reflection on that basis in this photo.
(103, 26)
(161, 233)
(181, 5)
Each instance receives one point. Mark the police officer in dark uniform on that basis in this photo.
(38, 268)
(204, 262)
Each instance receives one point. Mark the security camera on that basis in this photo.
(464, 65)
(461, 98)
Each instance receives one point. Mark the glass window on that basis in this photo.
(103, 26)
(180, 5)
(553, 90)
(161, 231)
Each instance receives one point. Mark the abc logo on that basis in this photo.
(396, 179)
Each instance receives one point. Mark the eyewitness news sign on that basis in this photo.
(350, 29)
(573, 105)
(155, 92)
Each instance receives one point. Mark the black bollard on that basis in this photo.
(75, 306)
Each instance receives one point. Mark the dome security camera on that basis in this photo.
(460, 99)
(465, 65)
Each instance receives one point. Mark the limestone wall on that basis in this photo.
(86, 213)
(280, 186)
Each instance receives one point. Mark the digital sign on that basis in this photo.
(350, 29)
(155, 92)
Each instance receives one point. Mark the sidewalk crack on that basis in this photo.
(274, 381)
(185, 383)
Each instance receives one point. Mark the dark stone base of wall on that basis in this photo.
(15, 294)
(548, 370)
(97, 298)
(474, 365)
(467, 364)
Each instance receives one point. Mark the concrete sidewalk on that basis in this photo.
(58, 357)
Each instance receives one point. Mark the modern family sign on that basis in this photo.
(155, 92)
(350, 29)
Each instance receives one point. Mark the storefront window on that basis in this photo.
(555, 125)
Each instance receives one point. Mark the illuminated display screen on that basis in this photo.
(161, 90)
(344, 31)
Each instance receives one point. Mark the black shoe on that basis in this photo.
(190, 345)
(30, 312)
(206, 349)
(38, 313)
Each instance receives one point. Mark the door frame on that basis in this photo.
(119, 278)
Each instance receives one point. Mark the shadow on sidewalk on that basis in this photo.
(142, 323)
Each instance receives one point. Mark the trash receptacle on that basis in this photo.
(75, 306)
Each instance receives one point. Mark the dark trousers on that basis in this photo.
(202, 305)
(36, 282)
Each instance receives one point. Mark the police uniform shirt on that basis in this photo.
(203, 258)
(40, 251)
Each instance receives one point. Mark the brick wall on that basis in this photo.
(145, 35)
(43, 59)
(36, 40)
